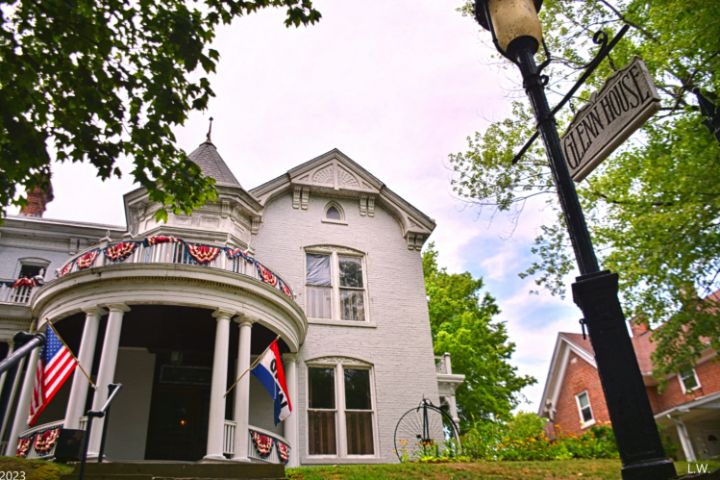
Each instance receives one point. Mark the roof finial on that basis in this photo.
(209, 131)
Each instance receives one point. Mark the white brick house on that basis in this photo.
(325, 258)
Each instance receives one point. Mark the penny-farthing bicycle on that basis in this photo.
(424, 431)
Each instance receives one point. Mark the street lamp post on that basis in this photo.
(517, 34)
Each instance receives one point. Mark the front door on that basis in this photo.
(177, 428)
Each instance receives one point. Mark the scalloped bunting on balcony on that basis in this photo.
(266, 275)
(283, 451)
(285, 289)
(239, 252)
(45, 441)
(202, 253)
(263, 443)
(25, 282)
(157, 239)
(65, 269)
(87, 260)
(120, 251)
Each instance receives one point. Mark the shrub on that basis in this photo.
(524, 438)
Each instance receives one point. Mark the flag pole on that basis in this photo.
(57, 334)
(253, 365)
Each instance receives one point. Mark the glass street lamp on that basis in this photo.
(517, 35)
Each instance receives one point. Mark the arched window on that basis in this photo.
(334, 213)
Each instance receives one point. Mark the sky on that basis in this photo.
(397, 86)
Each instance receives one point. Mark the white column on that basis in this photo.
(106, 371)
(216, 419)
(23, 406)
(242, 392)
(79, 389)
(341, 426)
(291, 423)
(685, 442)
(452, 406)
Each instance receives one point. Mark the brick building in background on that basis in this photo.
(688, 409)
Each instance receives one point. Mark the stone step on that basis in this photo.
(175, 471)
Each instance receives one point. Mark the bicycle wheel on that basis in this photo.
(425, 431)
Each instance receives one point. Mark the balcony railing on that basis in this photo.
(165, 249)
(13, 292)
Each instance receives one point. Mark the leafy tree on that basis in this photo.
(654, 206)
(462, 324)
(93, 80)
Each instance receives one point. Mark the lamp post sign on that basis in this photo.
(622, 105)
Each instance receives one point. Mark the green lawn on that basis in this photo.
(552, 470)
(561, 469)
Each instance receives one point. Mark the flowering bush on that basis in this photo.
(524, 438)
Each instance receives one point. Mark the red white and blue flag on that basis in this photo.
(55, 365)
(269, 370)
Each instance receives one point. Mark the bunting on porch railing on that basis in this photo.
(23, 446)
(45, 441)
(202, 253)
(120, 251)
(263, 443)
(283, 451)
(87, 259)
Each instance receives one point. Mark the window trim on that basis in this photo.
(336, 315)
(341, 211)
(341, 438)
(684, 389)
(32, 262)
(583, 423)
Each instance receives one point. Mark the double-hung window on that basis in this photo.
(335, 285)
(340, 410)
(584, 409)
(689, 380)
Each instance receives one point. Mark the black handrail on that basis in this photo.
(113, 390)
(29, 342)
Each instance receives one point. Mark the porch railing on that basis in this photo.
(254, 453)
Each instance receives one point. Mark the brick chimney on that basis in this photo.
(37, 199)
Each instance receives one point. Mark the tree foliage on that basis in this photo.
(91, 81)
(462, 325)
(653, 207)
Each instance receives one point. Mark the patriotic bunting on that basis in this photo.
(87, 260)
(203, 253)
(120, 251)
(199, 253)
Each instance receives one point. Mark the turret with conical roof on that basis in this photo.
(231, 219)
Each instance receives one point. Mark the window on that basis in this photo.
(340, 410)
(32, 267)
(335, 285)
(689, 380)
(334, 213)
(583, 403)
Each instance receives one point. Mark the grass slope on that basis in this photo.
(555, 470)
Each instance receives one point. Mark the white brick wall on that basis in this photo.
(400, 345)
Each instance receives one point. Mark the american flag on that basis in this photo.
(55, 365)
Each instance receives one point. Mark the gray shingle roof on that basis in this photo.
(212, 165)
